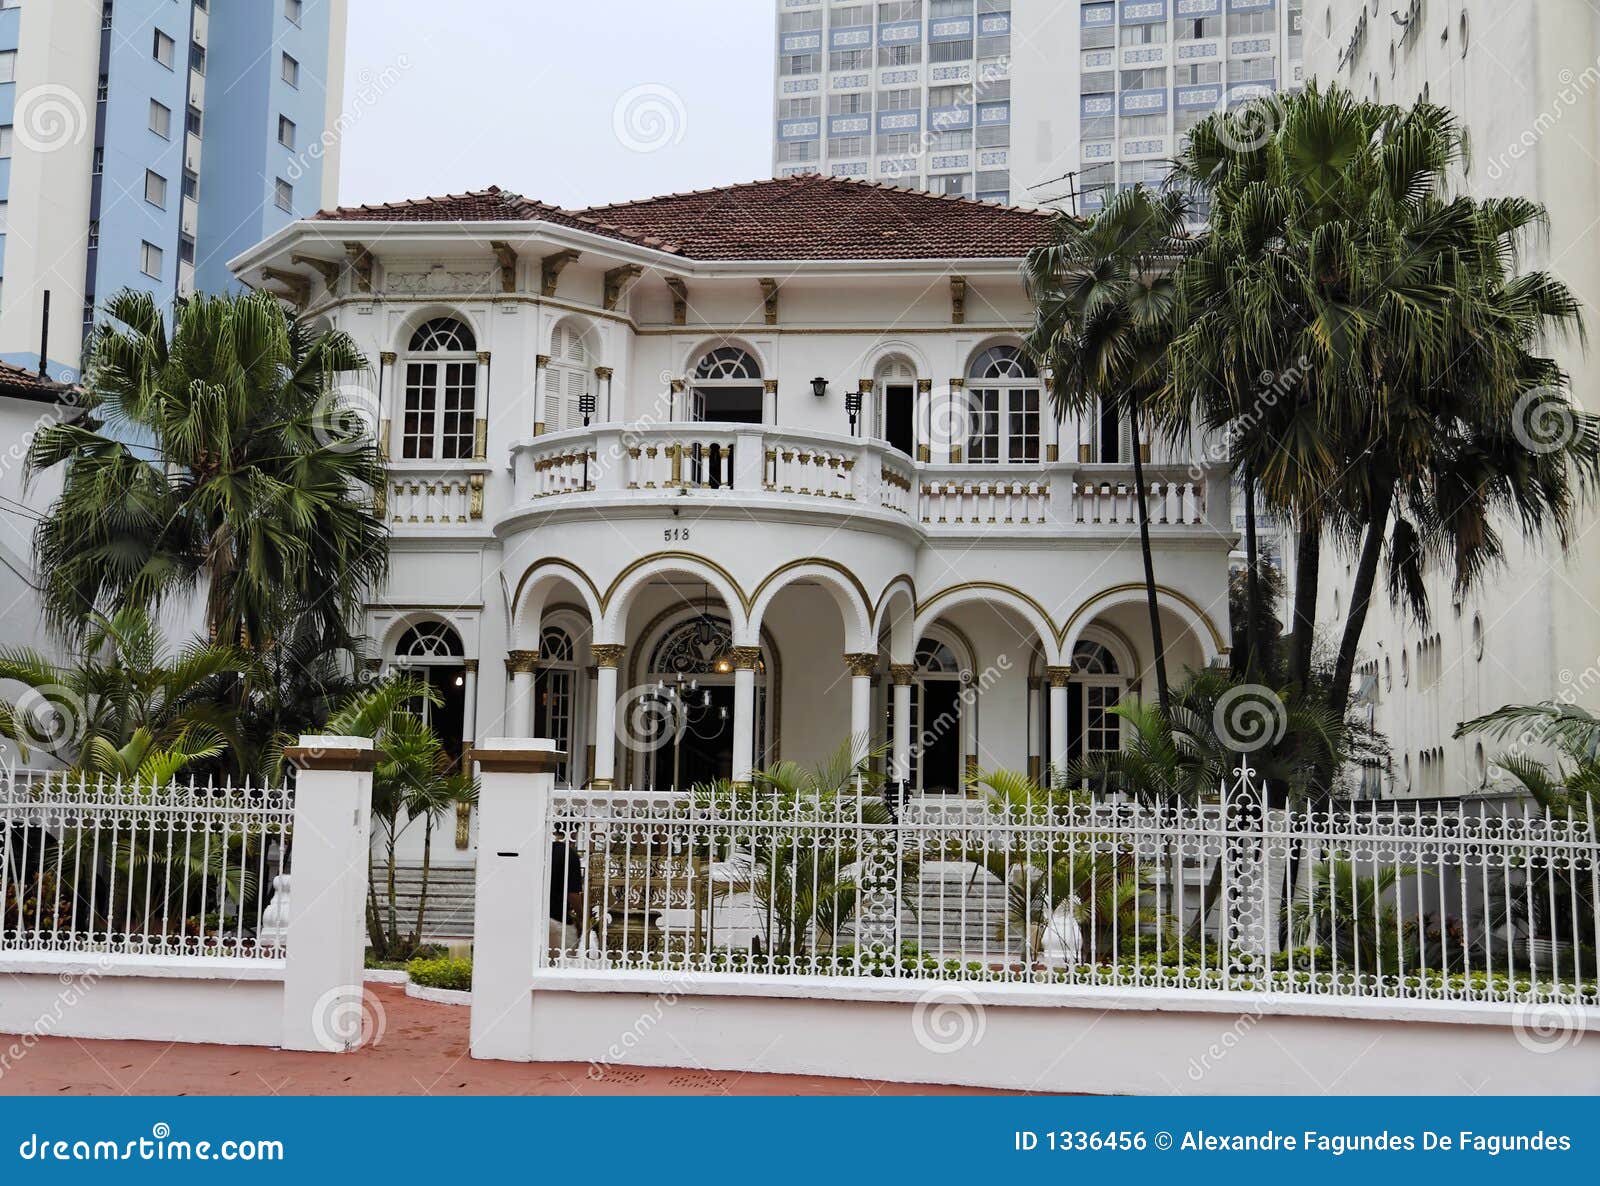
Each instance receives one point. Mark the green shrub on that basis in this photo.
(442, 973)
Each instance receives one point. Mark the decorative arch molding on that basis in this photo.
(1194, 617)
(989, 593)
(1011, 341)
(528, 602)
(403, 623)
(414, 319)
(619, 596)
(705, 345)
(847, 591)
(900, 622)
(886, 351)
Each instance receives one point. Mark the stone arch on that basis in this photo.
(896, 613)
(845, 590)
(618, 598)
(422, 314)
(533, 593)
(704, 346)
(889, 350)
(1012, 341)
(403, 624)
(1194, 618)
(984, 593)
(587, 330)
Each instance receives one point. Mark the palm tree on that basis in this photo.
(129, 706)
(219, 456)
(1106, 302)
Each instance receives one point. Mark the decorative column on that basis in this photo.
(861, 667)
(607, 658)
(386, 362)
(469, 736)
(1058, 678)
(519, 713)
(958, 418)
(480, 430)
(904, 674)
(539, 380)
(677, 389)
(603, 376)
(745, 662)
(769, 406)
(925, 395)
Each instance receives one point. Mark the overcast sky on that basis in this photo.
(576, 102)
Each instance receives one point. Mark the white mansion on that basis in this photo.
(699, 483)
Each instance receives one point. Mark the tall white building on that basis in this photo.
(1028, 101)
(143, 143)
(1523, 76)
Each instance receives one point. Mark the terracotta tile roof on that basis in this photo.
(20, 383)
(795, 218)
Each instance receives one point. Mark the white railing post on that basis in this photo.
(322, 981)
(609, 470)
(749, 462)
(510, 924)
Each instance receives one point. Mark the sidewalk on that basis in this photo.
(423, 1052)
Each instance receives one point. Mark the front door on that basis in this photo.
(899, 417)
(938, 737)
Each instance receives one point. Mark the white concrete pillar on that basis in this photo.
(1058, 677)
(469, 704)
(519, 713)
(861, 668)
(510, 928)
(323, 1002)
(745, 661)
(904, 674)
(540, 380)
(607, 658)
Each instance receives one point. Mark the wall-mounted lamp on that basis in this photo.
(587, 405)
(819, 387)
(852, 405)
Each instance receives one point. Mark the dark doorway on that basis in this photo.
(941, 736)
(447, 719)
(899, 418)
(729, 405)
(703, 749)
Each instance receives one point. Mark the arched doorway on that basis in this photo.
(938, 725)
(896, 385)
(431, 653)
(1102, 673)
(684, 715)
(558, 701)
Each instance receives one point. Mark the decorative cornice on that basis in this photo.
(861, 665)
(607, 654)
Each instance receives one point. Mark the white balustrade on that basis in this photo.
(416, 497)
(797, 465)
(984, 497)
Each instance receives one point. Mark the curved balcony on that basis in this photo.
(756, 467)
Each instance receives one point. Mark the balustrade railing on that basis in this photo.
(98, 865)
(416, 497)
(1403, 903)
(754, 459)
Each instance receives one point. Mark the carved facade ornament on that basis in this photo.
(437, 282)
(1058, 677)
(522, 662)
(471, 665)
(550, 269)
(862, 665)
(770, 386)
(362, 263)
(297, 289)
(680, 300)
(904, 674)
(958, 300)
(607, 654)
(769, 294)
(618, 282)
(507, 258)
(330, 270)
(746, 658)
(475, 505)
(604, 373)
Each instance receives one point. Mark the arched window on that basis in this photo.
(896, 387)
(938, 726)
(429, 642)
(727, 387)
(441, 394)
(1004, 396)
(1097, 688)
(431, 653)
(555, 695)
(568, 379)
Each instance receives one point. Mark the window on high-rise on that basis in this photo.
(854, 16)
(1252, 69)
(164, 49)
(1240, 23)
(1139, 80)
(943, 9)
(283, 195)
(955, 184)
(995, 137)
(800, 22)
(899, 100)
(950, 141)
(294, 10)
(161, 119)
(853, 104)
(1199, 30)
(151, 260)
(950, 51)
(1143, 125)
(291, 71)
(801, 64)
(792, 152)
(850, 59)
(899, 10)
(286, 132)
(900, 55)
(848, 147)
(197, 58)
(1196, 73)
(8, 66)
(155, 189)
(807, 108)
(897, 144)
(1151, 34)
(193, 120)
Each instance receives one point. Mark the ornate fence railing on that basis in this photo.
(127, 868)
(1422, 905)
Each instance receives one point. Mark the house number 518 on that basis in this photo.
(676, 535)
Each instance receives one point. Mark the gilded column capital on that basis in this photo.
(607, 654)
(522, 662)
(861, 665)
(958, 384)
(770, 386)
(746, 658)
(603, 372)
(904, 674)
(1058, 677)
(924, 386)
(678, 385)
(471, 665)
(483, 358)
(541, 361)
(388, 358)
(866, 386)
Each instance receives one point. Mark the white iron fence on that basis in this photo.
(1395, 903)
(107, 866)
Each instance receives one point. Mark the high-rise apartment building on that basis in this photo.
(144, 143)
(1149, 70)
(965, 97)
